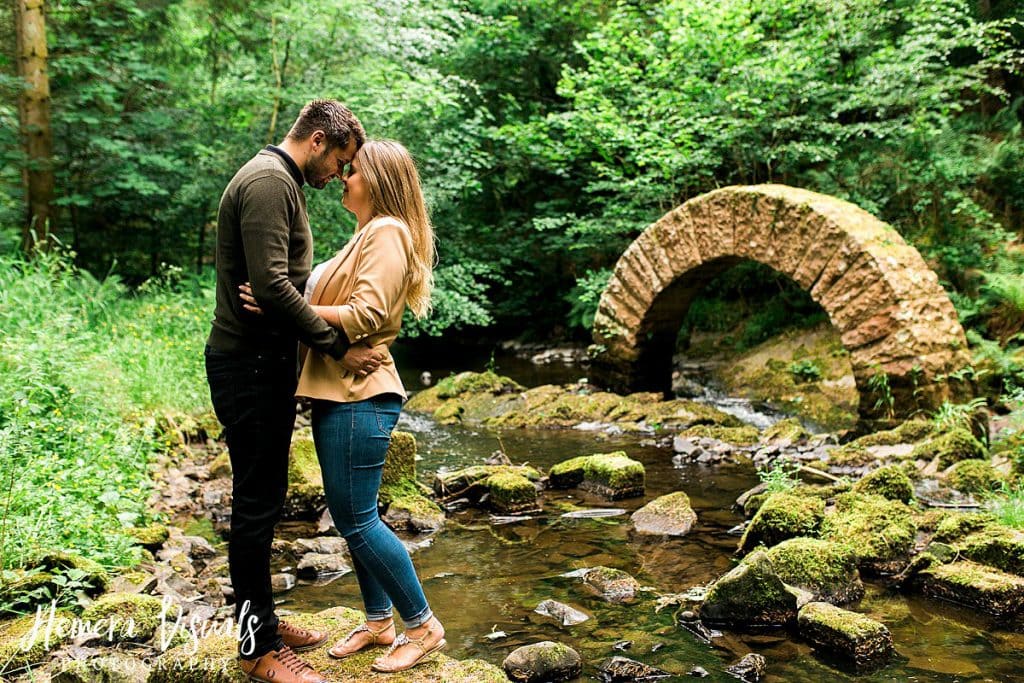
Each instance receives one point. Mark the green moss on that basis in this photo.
(951, 447)
(850, 455)
(305, 482)
(115, 667)
(475, 383)
(96, 576)
(854, 636)
(851, 624)
(212, 660)
(880, 531)
(789, 429)
(783, 516)
(23, 642)
(997, 546)
(418, 512)
(889, 482)
(400, 461)
(446, 483)
(826, 569)
(974, 585)
(750, 594)
(150, 537)
(511, 492)
(910, 431)
(614, 475)
(955, 525)
(203, 527)
(738, 436)
(125, 617)
(220, 466)
(975, 476)
(450, 412)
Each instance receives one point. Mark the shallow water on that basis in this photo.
(482, 577)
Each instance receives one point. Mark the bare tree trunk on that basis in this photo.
(279, 67)
(34, 115)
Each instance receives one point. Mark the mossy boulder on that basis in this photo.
(880, 531)
(93, 575)
(975, 476)
(114, 668)
(25, 641)
(669, 515)
(150, 537)
(487, 382)
(789, 430)
(782, 516)
(826, 569)
(220, 466)
(995, 545)
(504, 488)
(851, 455)
(612, 585)
(404, 503)
(306, 499)
(889, 481)
(955, 525)
(543, 662)
(953, 446)
(911, 431)
(414, 512)
(746, 435)
(855, 637)
(974, 585)
(751, 594)
(400, 461)
(610, 475)
(125, 617)
(466, 396)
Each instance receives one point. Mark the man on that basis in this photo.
(263, 237)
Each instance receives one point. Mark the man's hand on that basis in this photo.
(361, 360)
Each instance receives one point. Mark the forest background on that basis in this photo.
(549, 133)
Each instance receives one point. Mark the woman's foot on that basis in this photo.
(412, 647)
(370, 634)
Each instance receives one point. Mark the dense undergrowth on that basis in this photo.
(84, 365)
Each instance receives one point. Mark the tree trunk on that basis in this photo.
(34, 117)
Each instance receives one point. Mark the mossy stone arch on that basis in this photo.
(886, 303)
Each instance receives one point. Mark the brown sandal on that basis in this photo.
(403, 639)
(374, 639)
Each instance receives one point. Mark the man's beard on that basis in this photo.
(317, 172)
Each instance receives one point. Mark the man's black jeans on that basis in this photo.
(253, 395)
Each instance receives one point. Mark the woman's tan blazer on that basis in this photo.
(368, 281)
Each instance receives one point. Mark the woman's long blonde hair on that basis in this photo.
(393, 185)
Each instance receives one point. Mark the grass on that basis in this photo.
(83, 362)
(783, 475)
(1008, 505)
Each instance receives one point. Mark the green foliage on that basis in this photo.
(459, 300)
(1008, 505)
(950, 416)
(80, 363)
(584, 298)
(878, 385)
(781, 476)
(806, 370)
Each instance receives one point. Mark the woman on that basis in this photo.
(386, 266)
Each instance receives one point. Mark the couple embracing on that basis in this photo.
(346, 312)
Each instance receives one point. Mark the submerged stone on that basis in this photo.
(852, 636)
(610, 475)
(751, 594)
(782, 516)
(827, 570)
(953, 446)
(564, 614)
(880, 531)
(622, 669)
(612, 585)
(889, 481)
(974, 585)
(543, 662)
(751, 668)
(669, 515)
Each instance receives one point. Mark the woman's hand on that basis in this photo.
(249, 302)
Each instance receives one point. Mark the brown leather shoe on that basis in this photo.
(300, 639)
(280, 666)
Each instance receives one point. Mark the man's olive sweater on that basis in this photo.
(263, 237)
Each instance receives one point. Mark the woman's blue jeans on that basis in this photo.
(351, 442)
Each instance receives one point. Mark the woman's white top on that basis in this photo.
(314, 278)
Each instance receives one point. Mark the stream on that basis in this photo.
(485, 575)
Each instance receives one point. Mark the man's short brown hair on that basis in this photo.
(336, 120)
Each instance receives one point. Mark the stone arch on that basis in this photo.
(886, 303)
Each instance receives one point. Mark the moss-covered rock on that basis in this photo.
(25, 641)
(125, 617)
(220, 466)
(669, 515)
(974, 476)
(746, 435)
(948, 448)
(995, 545)
(510, 492)
(306, 498)
(826, 569)
(955, 525)
(851, 455)
(889, 481)
(505, 488)
(612, 585)
(852, 636)
(910, 431)
(751, 594)
(95, 577)
(974, 585)
(880, 531)
(543, 662)
(783, 516)
(610, 475)
(114, 668)
(789, 430)
(487, 382)
(415, 513)
(400, 461)
(150, 537)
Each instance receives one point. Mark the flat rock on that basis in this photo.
(313, 565)
(751, 668)
(543, 662)
(974, 585)
(622, 669)
(669, 515)
(611, 585)
(324, 545)
(564, 614)
(852, 636)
